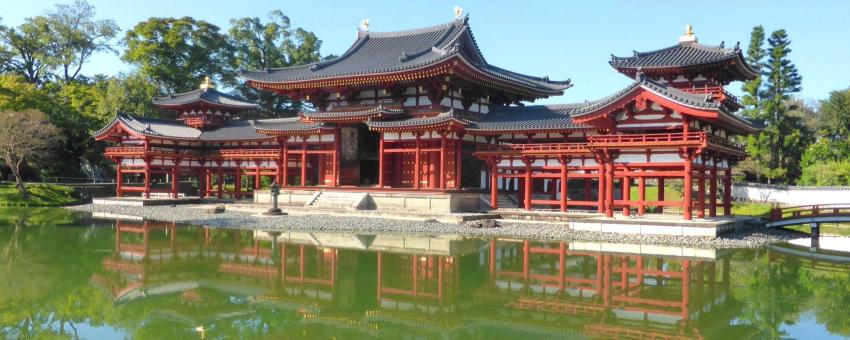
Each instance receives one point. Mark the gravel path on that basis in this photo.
(751, 238)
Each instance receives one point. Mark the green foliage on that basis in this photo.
(775, 153)
(835, 115)
(259, 46)
(176, 54)
(41, 195)
(63, 40)
(831, 173)
(75, 35)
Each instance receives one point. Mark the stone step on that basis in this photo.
(340, 200)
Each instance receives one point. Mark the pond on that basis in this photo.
(67, 275)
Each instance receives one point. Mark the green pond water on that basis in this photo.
(68, 275)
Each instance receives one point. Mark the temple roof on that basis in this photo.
(291, 124)
(231, 130)
(683, 55)
(376, 53)
(443, 118)
(696, 101)
(528, 118)
(206, 98)
(341, 113)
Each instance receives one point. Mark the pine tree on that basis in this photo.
(752, 88)
(781, 80)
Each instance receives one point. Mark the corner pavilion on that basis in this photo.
(423, 111)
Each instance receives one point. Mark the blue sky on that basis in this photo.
(561, 39)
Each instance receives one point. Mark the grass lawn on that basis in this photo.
(670, 193)
(825, 228)
(673, 194)
(41, 195)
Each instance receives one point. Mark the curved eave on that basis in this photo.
(442, 66)
(449, 123)
(350, 116)
(117, 125)
(211, 104)
(496, 132)
(738, 63)
(295, 132)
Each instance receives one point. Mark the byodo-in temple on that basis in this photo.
(423, 112)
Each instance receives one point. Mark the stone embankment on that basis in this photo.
(199, 215)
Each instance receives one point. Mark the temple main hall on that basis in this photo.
(422, 111)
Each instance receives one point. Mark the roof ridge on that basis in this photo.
(415, 31)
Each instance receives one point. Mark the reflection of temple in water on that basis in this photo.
(333, 285)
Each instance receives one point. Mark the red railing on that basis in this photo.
(695, 137)
(724, 143)
(139, 150)
(237, 153)
(531, 148)
(718, 92)
(786, 213)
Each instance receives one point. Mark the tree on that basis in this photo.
(27, 49)
(782, 80)
(751, 100)
(259, 46)
(76, 35)
(25, 136)
(175, 54)
(835, 115)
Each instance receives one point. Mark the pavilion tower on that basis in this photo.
(204, 108)
(691, 67)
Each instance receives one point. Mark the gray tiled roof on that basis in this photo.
(286, 124)
(702, 101)
(233, 130)
(211, 96)
(153, 127)
(340, 112)
(385, 52)
(528, 118)
(440, 118)
(683, 55)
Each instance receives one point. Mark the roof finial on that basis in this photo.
(689, 36)
(458, 11)
(364, 25)
(207, 84)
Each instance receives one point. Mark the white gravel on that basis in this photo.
(749, 238)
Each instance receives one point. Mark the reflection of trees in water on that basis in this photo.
(43, 287)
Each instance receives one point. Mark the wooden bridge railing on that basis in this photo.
(784, 213)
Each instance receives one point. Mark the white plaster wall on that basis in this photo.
(791, 195)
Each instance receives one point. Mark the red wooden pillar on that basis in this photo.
(175, 180)
(660, 208)
(641, 195)
(147, 177)
(701, 191)
(627, 195)
(528, 183)
(207, 182)
(727, 192)
(381, 162)
(563, 161)
(321, 169)
(712, 191)
(237, 180)
(459, 161)
(433, 160)
(609, 187)
(257, 177)
(416, 165)
(220, 180)
(443, 161)
(494, 182)
(600, 191)
(304, 161)
(687, 189)
(285, 180)
(336, 158)
(119, 178)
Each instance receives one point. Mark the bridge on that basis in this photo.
(809, 214)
